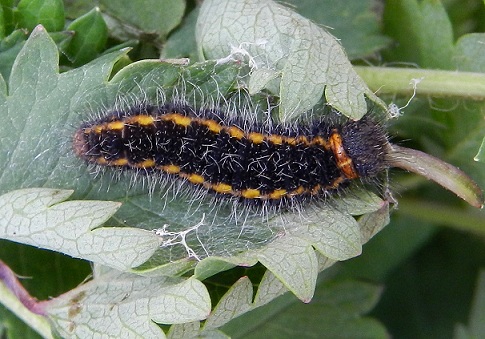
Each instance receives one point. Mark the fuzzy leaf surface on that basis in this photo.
(38, 217)
(309, 59)
(121, 305)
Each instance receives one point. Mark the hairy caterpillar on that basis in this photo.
(253, 162)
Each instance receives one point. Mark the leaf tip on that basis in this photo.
(38, 29)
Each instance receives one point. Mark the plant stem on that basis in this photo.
(435, 83)
(18, 300)
(38, 323)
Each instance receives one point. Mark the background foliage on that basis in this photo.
(421, 273)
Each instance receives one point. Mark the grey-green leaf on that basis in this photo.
(311, 61)
(121, 305)
(38, 217)
(236, 301)
(294, 262)
(470, 52)
(338, 243)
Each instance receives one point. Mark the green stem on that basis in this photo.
(462, 219)
(436, 83)
(38, 323)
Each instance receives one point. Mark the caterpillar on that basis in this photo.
(253, 163)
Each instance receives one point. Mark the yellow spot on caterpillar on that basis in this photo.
(302, 140)
(298, 140)
(256, 138)
(277, 194)
(315, 189)
(250, 193)
(115, 125)
(120, 162)
(171, 169)
(102, 161)
(276, 139)
(142, 120)
(178, 119)
(195, 178)
(212, 125)
(145, 163)
(98, 129)
(300, 190)
(320, 141)
(235, 132)
(222, 188)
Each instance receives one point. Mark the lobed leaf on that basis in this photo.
(308, 59)
(90, 36)
(120, 305)
(142, 18)
(38, 217)
(49, 13)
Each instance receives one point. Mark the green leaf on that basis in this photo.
(338, 306)
(470, 53)
(37, 217)
(44, 97)
(235, 302)
(212, 265)
(437, 36)
(49, 13)
(293, 261)
(192, 330)
(141, 18)
(335, 243)
(8, 7)
(181, 43)
(2, 23)
(9, 49)
(270, 287)
(183, 237)
(356, 23)
(423, 32)
(77, 8)
(360, 202)
(90, 36)
(117, 305)
(373, 222)
(310, 61)
(476, 327)
(187, 330)
(39, 104)
(3, 86)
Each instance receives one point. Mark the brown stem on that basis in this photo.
(446, 175)
(9, 278)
